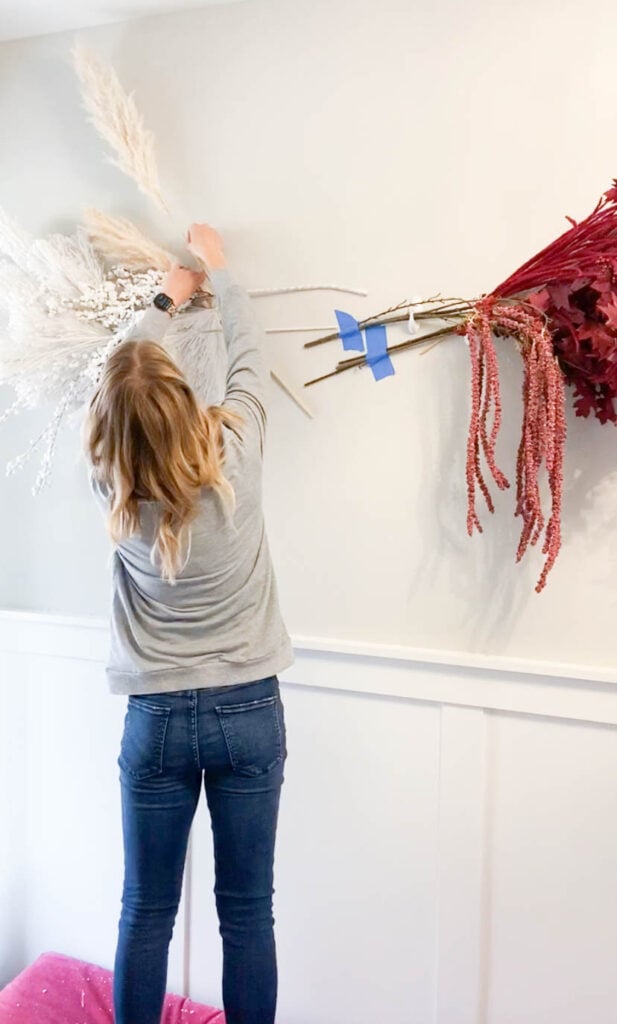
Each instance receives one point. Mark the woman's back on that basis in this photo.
(219, 623)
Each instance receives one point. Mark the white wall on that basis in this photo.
(407, 148)
(446, 845)
(447, 836)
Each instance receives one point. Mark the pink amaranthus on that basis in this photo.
(544, 430)
(561, 308)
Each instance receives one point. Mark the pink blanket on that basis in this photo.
(59, 990)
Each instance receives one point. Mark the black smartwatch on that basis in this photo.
(162, 301)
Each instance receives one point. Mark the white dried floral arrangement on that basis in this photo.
(68, 300)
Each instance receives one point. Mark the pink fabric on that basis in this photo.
(56, 989)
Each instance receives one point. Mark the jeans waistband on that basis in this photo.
(206, 691)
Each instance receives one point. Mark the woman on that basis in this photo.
(197, 639)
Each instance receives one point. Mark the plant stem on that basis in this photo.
(448, 307)
(349, 364)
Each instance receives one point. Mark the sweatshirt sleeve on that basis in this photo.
(246, 376)
(98, 489)
(151, 327)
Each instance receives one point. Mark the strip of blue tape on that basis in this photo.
(377, 351)
(349, 331)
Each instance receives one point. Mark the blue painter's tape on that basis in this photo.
(350, 332)
(377, 351)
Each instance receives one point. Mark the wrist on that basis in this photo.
(212, 262)
(166, 301)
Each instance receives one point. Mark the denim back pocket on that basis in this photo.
(254, 733)
(143, 739)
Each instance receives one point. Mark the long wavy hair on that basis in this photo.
(148, 439)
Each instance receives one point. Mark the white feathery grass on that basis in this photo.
(16, 243)
(115, 116)
(68, 264)
(16, 286)
(118, 240)
(36, 343)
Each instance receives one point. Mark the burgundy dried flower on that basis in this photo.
(543, 433)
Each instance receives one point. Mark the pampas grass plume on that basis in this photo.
(118, 240)
(115, 116)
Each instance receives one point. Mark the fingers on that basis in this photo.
(196, 226)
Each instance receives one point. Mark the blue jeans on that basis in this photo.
(233, 738)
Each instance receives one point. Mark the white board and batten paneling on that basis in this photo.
(446, 845)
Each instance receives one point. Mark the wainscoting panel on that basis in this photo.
(447, 836)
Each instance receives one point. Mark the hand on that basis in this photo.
(205, 243)
(180, 283)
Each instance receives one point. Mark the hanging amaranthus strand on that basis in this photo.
(485, 396)
(543, 438)
(543, 434)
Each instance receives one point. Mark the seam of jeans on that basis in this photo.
(194, 720)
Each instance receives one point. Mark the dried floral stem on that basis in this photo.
(282, 383)
(260, 293)
(360, 360)
(447, 307)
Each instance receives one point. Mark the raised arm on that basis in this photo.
(151, 327)
(245, 381)
(246, 376)
(179, 285)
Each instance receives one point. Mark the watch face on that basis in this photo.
(162, 301)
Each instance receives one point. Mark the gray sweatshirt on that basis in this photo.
(220, 624)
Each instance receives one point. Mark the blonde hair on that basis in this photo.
(147, 438)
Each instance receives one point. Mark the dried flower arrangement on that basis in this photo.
(69, 299)
(561, 309)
